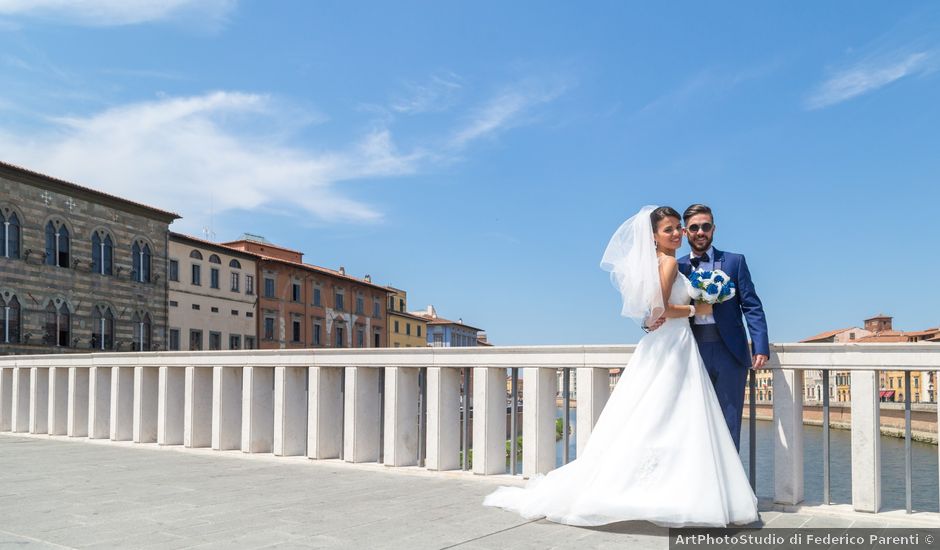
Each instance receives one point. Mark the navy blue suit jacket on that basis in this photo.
(744, 304)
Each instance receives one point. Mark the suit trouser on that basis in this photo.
(728, 376)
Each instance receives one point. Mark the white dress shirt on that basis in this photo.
(706, 266)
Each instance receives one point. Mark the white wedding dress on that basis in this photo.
(660, 451)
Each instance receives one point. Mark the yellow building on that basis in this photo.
(892, 382)
(404, 329)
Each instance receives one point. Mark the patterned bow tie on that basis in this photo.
(696, 260)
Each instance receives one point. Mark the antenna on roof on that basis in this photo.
(210, 233)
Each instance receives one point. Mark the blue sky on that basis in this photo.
(480, 154)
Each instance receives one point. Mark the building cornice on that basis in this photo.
(218, 247)
(24, 175)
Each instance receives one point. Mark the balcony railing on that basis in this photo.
(405, 407)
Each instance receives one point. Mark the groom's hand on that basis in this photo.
(656, 324)
(758, 361)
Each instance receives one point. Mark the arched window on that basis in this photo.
(102, 253)
(235, 264)
(10, 318)
(57, 325)
(141, 253)
(142, 332)
(9, 234)
(102, 328)
(195, 254)
(50, 334)
(13, 236)
(57, 245)
(213, 259)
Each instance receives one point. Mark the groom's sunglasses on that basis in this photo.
(706, 227)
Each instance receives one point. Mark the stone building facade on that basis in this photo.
(405, 330)
(444, 333)
(307, 306)
(80, 270)
(212, 296)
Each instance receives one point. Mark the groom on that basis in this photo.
(720, 336)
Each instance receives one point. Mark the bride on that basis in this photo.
(660, 450)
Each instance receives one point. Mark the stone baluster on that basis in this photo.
(122, 403)
(78, 402)
(21, 399)
(197, 414)
(401, 413)
(593, 392)
(146, 394)
(171, 405)
(38, 400)
(489, 420)
(538, 424)
(866, 442)
(6, 399)
(443, 418)
(226, 408)
(788, 440)
(99, 403)
(58, 400)
(258, 410)
(325, 413)
(290, 411)
(361, 416)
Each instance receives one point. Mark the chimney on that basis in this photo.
(368, 278)
(460, 320)
(342, 270)
(432, 312)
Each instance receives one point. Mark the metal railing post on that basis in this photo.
(752, 428)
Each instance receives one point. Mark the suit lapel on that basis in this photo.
(719, 258)
(685, 266)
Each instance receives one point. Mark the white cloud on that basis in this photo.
(707, 85)
(435, 95)
(511, 107)
(185, 154)
(116, 12)
(865, 77)
(505, 111)
(229, 151)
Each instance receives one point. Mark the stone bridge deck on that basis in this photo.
(57, 493)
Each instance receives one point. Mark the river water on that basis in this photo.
(924, 483)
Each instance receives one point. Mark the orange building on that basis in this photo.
(307, 306)
(877, 329)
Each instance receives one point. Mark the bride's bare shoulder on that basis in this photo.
(668, 263)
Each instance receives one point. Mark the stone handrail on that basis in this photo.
(331, 403)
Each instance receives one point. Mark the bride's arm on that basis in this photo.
(668, 270)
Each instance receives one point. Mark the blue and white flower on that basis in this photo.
(712, 287)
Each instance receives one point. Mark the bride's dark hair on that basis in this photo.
(662, 213)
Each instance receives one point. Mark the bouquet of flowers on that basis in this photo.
(712, 287)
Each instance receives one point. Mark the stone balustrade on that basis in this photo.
(365, 405)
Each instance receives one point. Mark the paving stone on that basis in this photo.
(827, 521)
(787, 520)
(57, 493)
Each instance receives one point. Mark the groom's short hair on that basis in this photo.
(695, 210)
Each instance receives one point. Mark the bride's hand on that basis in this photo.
(703, 308)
